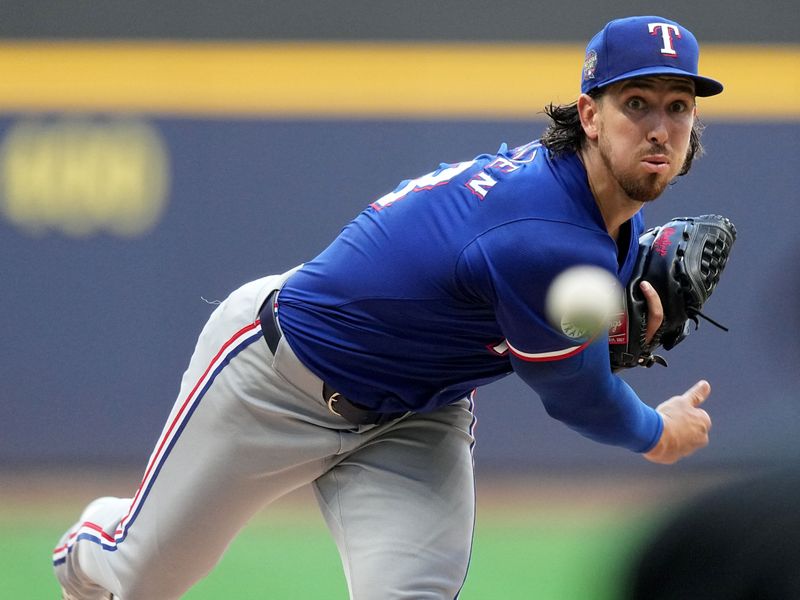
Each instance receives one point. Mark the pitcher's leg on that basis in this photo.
(238, 437)
(97, 523)
(401, 508)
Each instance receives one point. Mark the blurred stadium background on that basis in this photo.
(154, 156)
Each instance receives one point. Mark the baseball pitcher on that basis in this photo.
(356, 372)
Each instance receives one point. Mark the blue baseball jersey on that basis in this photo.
(434, 287)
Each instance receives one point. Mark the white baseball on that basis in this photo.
(581, 301)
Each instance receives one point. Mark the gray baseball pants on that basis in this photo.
(249, 427)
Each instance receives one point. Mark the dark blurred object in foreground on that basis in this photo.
(740, 541)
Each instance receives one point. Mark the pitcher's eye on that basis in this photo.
(679, 106)
(635, 103)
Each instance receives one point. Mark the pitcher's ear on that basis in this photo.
(588, 111)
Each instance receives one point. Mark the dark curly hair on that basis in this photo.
(565, 134)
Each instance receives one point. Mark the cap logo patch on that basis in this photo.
(667, 30)
(589, 65)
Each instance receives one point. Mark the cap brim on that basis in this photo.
(703, 86)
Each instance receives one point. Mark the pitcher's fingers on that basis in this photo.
(705, 419)
(699, 392)
(655, 310)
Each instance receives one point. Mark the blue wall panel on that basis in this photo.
(97, 328)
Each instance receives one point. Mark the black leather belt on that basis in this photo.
(337, 404)
(269, 322)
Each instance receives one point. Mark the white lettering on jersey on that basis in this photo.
(503, 165)
(526, 153)
(480, 184)
(667, 29)
(425, 182)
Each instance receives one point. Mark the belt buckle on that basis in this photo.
(331, 401)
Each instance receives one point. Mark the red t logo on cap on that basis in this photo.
(667, 29)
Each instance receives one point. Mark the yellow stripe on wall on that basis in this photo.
(355, 80)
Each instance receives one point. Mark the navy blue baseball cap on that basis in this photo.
(642, 46)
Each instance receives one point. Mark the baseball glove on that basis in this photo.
(683, 260)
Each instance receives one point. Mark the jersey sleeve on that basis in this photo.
(582, 393)
(512, 266)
